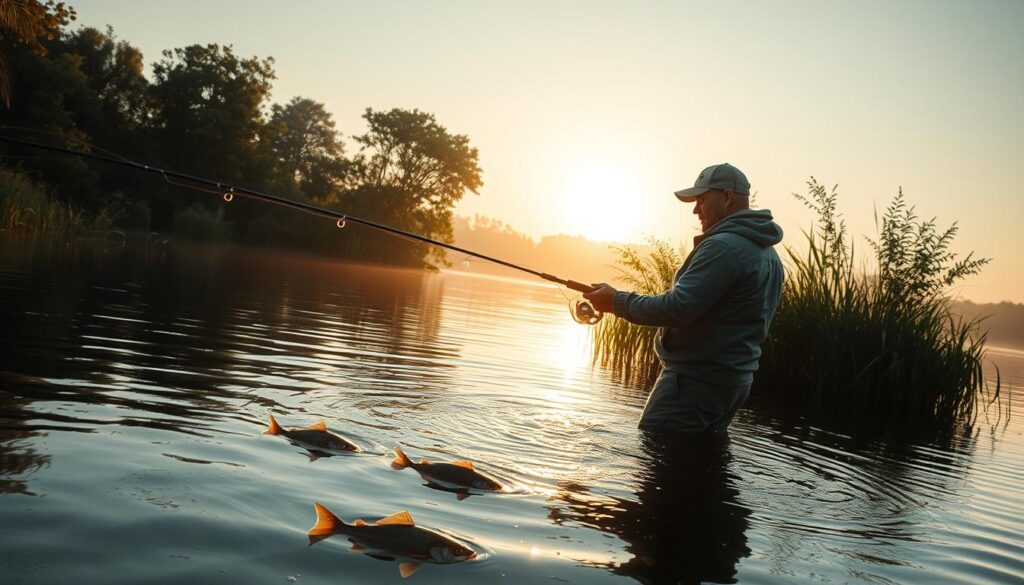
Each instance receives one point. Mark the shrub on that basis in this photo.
(199, 223)
(140, 216)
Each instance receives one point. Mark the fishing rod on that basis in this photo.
(581, 310)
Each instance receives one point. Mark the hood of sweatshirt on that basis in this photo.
(756, 225)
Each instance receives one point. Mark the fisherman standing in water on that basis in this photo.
(717, 314)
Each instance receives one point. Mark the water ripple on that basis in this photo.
(142, 385)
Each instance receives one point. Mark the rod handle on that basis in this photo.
(579, 286)
(576, 286)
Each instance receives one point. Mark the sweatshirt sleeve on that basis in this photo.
(711, 272)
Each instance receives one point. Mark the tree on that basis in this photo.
(412, 173)
(308, 154)
(112, 109)
(119, 104)
(208, 112)
(45, 90)
(28, 21)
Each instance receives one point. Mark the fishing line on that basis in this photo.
(582, 311)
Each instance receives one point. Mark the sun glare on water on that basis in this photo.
(603, 204)
(569, 351)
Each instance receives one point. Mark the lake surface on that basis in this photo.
(135, 385)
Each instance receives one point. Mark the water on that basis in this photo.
(135, 386)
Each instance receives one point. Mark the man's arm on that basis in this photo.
(711, 272)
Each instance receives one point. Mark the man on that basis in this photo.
(717, 314)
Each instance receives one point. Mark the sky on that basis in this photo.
(587, 115)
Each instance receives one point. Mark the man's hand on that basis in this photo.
(601, 298)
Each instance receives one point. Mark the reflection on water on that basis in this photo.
(18, 458)
(684, 524)
(135, 386)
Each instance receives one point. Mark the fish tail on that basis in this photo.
(326, 522)
(401, 460)
(274, 428)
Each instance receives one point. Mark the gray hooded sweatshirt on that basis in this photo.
(716, 317)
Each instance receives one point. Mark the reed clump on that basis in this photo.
(880, 345)
(885, 344)
(626, 348)
(26, 208)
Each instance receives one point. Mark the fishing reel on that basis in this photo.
(583, 312)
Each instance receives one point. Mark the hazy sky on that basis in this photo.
(588, 115)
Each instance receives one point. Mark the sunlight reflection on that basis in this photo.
(577, 552)
(569, 349)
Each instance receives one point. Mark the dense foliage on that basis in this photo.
(29, 22)
(207, 112)
(25, 207)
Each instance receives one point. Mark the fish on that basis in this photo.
(397, 535)
(316, 436)
(457, 475)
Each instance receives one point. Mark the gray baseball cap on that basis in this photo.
(723, 177)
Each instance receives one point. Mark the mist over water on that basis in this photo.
(135, 385)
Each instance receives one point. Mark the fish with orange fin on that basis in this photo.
(458, 476)
(395, 535)
(315, 438)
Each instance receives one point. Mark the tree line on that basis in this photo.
(206, 111)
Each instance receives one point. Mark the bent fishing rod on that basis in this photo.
(229, 191)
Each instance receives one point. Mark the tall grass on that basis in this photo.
(879, 345)
(26, 208)
(620, 345)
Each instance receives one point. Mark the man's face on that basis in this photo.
(711, 208)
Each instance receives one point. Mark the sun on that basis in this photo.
(602, 204)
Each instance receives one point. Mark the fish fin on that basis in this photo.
(406, 568)
(313, 456)
(273, 428)
(465, 464)
(424, 462)
(399, 518)
(359, 522)
(326, 522)
(462, 496)
(358, 546)
(318, 426)
(313, 538)
(401, 460)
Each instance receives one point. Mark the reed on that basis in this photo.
(26, 208)
(880, 345)
(626, 348)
